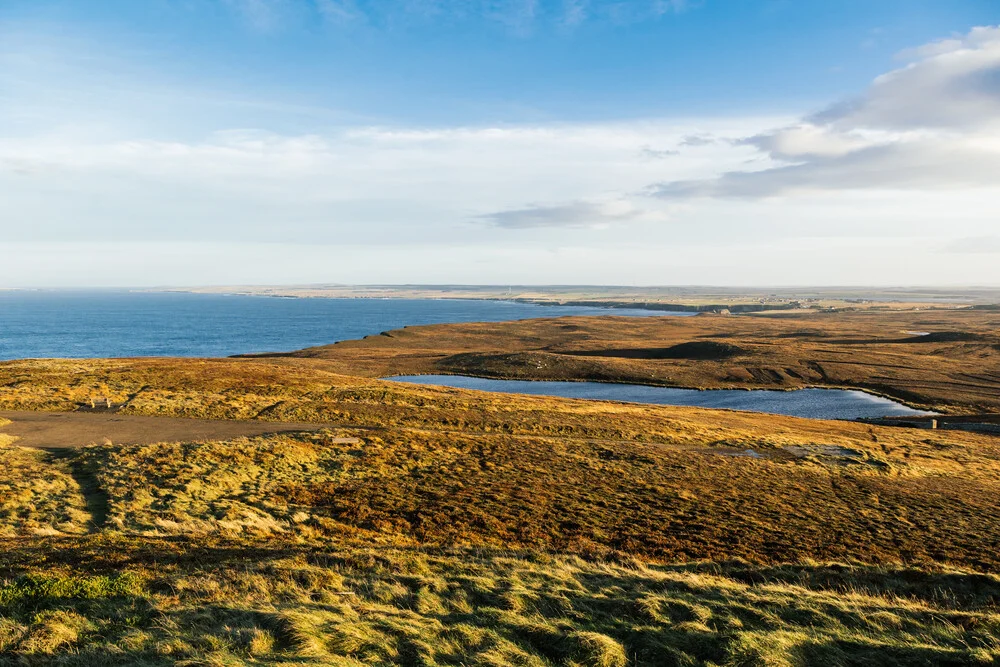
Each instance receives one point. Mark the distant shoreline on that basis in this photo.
(610, 305)
(666, 299)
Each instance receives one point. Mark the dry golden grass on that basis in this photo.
(285, 390)
(155, 602)
(446, 467)
(38, 496)
(658, 501)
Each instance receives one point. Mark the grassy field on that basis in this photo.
(431, 526)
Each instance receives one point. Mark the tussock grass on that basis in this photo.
(303, 391)
(38, 495)
(231, 603)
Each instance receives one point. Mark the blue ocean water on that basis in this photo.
(814, 403)
(37, 324)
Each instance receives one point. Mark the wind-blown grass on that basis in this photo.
(233, 604)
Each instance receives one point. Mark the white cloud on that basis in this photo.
(923, 165)
(810, 141)
(932, 124)
(952, 85)
(366, 184)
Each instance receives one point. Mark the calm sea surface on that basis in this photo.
(815, 403)
(126, 324)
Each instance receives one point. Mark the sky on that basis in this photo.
(619, 142)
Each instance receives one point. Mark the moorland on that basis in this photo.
(332, 518)
(945, 360)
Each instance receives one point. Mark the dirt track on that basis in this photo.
(76, 429)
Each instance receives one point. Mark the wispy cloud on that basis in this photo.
(574, 13)
(517, 15)
(262, 15)
(698, 140)
(91, 154)
(577, 214)
(661, 7)
(354, 183)
(341, 12)
(520, 17)
(658, 153)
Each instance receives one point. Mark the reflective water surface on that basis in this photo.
(815, 403)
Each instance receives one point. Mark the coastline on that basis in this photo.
(691, 299)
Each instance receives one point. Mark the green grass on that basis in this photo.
(38, 589)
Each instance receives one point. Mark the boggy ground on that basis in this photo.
(955, 369)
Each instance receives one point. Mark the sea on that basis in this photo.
(122, 323)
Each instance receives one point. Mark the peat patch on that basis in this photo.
(934, 337)
(697, 350)
(946, 337)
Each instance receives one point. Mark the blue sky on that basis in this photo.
(443, 62)
(652, 142)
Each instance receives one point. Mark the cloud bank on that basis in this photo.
(932, 124)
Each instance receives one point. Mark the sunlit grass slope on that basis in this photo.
(111, 600)
(427, 526)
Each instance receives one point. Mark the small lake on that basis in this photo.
(813, 403)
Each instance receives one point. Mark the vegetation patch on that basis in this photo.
(41, 589)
